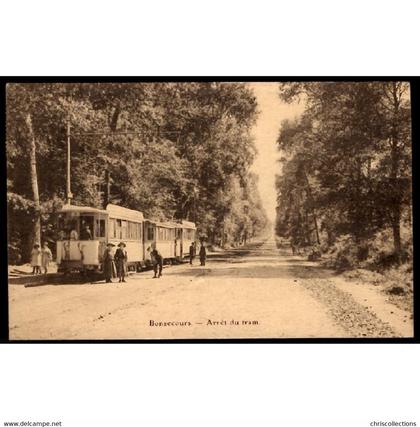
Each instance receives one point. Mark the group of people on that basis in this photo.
(40, 257)
(115, 265)
(202, 253)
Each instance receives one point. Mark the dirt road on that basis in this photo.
(258, 291)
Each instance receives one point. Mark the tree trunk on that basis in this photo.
(309, 190)
(396, 219)
(396, 205)
(396, 196)
(36, 232)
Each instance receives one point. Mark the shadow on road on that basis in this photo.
(262, 271)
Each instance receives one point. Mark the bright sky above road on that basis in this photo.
(272, 112)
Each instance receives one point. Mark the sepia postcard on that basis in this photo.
(156, 210)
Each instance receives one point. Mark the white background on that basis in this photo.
(209, 385)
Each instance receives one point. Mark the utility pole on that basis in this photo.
(69, 194)
(107, 195)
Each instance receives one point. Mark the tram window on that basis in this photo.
(101, 228)
(189, 234)
(133, 230)
(139, 231)
(86, 221)
(123, 229)
(111, 228)
(118, 229)
(150, 233)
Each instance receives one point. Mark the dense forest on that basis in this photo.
(170, 150)
(345, 180)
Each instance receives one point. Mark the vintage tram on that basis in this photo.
(85, 232)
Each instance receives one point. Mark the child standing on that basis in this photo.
(36, 259)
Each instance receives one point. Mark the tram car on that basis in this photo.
(85, 232)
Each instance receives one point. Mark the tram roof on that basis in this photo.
(124, 213)
(166, 224)
(87, 209)
(188, 224)
(173, 224)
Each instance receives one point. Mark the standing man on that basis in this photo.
(192, 253)
(202, 254)
(46, 257)
(86, 233)
(157, 261)
(121, 262)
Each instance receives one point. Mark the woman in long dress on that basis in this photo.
(36, 259)
(46, 257)
(108, 263)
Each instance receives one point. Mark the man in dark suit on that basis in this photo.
(121, 258)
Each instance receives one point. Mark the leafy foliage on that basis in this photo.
(171, 150)
(346, 168)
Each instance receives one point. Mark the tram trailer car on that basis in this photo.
(126, 225)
